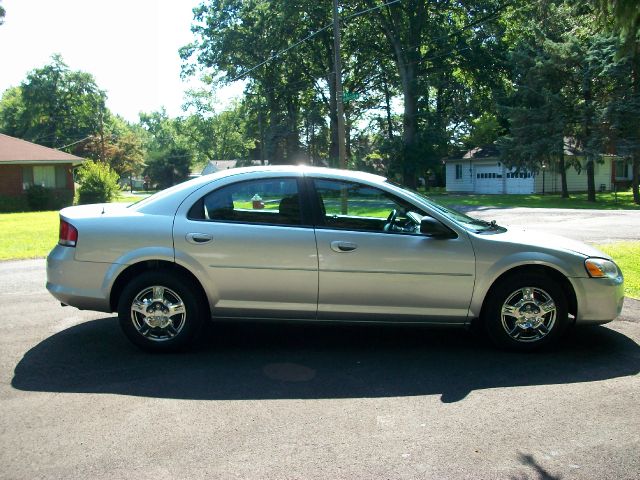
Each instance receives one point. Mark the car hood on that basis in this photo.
(541, 240)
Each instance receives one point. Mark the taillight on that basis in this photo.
(68, 234)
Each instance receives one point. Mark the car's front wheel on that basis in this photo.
(526, 312)
(160, 311)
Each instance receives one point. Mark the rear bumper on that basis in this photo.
(600, 300)
(79, 284)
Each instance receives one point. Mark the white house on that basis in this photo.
(217, 165)
(480, 170)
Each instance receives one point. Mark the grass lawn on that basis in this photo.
(33, 234)
(604, 201)
(627, 256)
(27, 235)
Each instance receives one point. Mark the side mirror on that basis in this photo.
(431, 227)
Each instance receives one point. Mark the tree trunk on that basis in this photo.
(293, 134)
(387, 103)
(347, 136)
(586, 95)
(333, 107)
(563, 175)
(591, 181)
(409, 124)
(635, 169)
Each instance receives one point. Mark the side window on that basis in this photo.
(270, 201)
(458, 171)
(352, 206)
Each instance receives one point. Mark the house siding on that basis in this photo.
(464, 184)
(576, 182)
(11, 180)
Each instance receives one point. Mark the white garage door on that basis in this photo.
(488, 179)
(519, 182)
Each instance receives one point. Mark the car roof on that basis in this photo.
(301, 169)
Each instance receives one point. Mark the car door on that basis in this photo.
(254, 246)
(370, 270)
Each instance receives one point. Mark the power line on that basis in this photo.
(311, 35)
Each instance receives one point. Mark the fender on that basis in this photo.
(486, 275)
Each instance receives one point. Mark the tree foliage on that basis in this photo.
(98, 183)
(169, 153)
(422, 80)
(54, 106)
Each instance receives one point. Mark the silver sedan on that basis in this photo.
(315, 244)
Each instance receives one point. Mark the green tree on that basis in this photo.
(55, 106)
(169, 153)
(537, 113)
(98, 183)
(119, 144)
(229, 48)
(216, 136)
(626, 19)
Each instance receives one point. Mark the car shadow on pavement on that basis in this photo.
(294, 361)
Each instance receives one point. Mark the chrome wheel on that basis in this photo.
(158, 313)
(528, 314)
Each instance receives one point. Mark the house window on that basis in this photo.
(44, 175)
(458, 171)
(622, 170)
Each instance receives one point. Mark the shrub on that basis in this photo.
(13, 204)
(98, 183)
(39, 198)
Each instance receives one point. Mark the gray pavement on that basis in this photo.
(590, 226)
(307, 402)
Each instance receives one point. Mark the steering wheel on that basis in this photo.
(390, 219)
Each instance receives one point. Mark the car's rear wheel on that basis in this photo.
(526, 312)
(160, 311)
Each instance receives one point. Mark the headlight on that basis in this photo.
(601, 268)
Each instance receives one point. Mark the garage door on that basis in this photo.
(519, 182)
(488, 179)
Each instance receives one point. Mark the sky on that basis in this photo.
(129, 46)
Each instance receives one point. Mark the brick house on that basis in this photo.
(23, 164)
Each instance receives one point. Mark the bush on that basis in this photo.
(39, 198)
(13, 204)
(98, 183)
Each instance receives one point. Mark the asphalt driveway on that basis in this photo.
(300, 401)
(591, 226)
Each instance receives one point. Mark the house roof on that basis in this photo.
(218, 165)
(14, 150)
(487, 151)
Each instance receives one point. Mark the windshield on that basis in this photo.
(465, 221)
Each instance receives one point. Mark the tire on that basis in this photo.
(161, 311)
(526, 312)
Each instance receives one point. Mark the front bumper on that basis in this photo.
(79, 284)
(600, 300)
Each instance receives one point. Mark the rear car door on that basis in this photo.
(254, 246)
(370, 270)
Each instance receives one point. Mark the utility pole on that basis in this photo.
(342, 154)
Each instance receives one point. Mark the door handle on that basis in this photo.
(198, 238)
(342, 247)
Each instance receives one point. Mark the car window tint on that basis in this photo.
(353, 206)
(268, 201)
